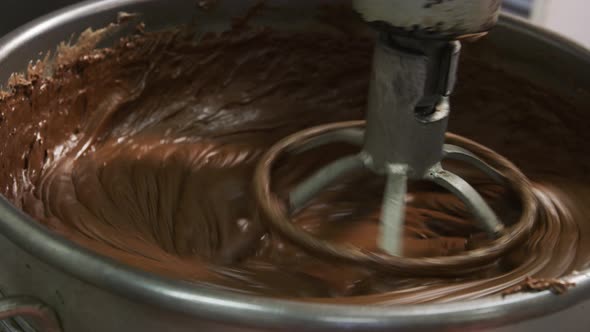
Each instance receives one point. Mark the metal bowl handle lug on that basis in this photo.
(29, 307)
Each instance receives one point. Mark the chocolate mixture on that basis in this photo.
(144, 153)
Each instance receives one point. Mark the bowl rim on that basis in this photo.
(256, 311)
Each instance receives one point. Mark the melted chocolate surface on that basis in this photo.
(144, 152)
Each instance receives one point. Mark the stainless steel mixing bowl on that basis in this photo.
(44, 274)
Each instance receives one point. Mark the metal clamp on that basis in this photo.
(42, 315)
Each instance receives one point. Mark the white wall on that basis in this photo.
(568, 17)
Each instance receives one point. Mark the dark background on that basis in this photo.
(14, 13)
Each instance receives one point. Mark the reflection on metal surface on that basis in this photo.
(16, 324)
(13, 309)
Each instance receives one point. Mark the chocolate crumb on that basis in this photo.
(534, 285)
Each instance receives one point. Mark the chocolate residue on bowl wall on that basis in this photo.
(144, 152)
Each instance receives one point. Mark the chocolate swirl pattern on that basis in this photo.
(145, 153)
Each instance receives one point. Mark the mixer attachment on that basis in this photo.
(395, 191)
(389, 259)
(403, 139)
